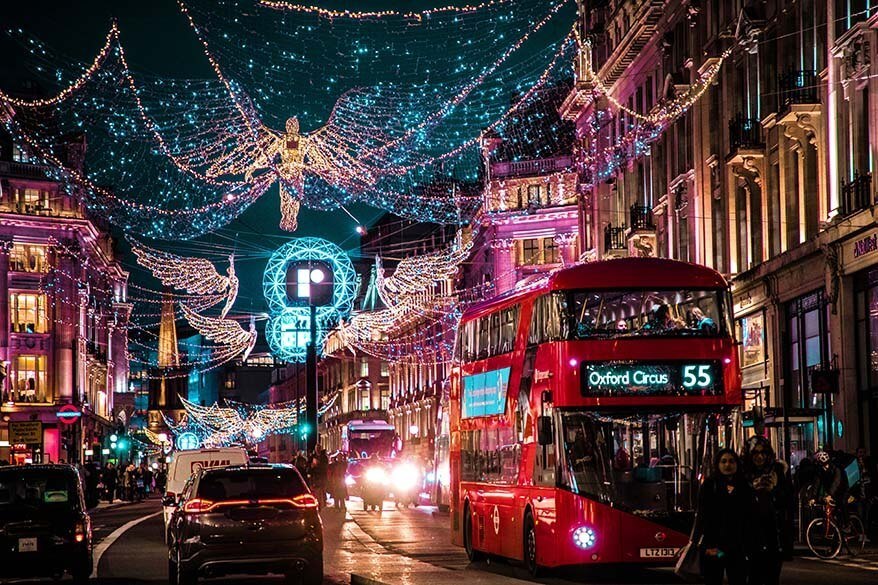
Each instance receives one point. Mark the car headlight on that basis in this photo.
(584, 537)
(376, 475)
(405, 476)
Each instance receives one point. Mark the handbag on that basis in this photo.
(688, 566)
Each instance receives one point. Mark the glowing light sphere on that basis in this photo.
(288, 330)
(187, 441)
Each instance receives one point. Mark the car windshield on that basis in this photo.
(646, 464)
(641, 313)
(40, 489)
(251, 484)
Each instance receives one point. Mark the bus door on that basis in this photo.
(502, 530)
(543, 498)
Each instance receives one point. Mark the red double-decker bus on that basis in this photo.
(585, 410)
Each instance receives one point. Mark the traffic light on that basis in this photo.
(304, 429)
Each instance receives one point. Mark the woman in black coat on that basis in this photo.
(773, 521)
(723, 519)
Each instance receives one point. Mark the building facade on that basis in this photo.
(63, 315)
(766, 178)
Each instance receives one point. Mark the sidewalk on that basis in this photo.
(368, 563)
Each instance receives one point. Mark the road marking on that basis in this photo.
(106, 543)
(863, 564)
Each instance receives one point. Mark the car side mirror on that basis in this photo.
(544, 430)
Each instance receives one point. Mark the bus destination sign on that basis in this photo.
(485, 394)
(651, 379)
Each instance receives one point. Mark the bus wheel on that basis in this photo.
(471, 553)
(530, 546)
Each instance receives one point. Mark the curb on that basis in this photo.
(362, 580)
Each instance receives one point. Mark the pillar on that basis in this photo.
(5, 248)
(65, 329)
(504, 265)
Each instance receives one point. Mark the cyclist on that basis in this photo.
(832, 487)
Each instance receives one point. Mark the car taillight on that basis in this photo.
(80, 530)
(305, 501)
(198, 506)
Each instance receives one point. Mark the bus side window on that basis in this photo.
(545, 464)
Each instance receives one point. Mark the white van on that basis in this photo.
(185, 463)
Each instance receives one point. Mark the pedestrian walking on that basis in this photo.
(319, 470)
(109, 480)
(772, 541)
(723, 521)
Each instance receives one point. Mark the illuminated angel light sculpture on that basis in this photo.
(227, 332)
(194, 275)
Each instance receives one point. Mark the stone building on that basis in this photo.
(767, 178)
(63, 315)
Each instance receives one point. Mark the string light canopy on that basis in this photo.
(187, 156)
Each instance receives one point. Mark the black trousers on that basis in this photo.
(765, 568)
(732, 565)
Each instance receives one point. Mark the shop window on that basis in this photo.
(28, 258)
(29, 379)
(27, 313)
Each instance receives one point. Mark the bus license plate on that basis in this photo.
(27, 545)
(658, 553)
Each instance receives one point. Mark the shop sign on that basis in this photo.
(865, 245)
(28, 433)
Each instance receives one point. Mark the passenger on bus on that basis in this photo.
(702, 322)
(622, 325)
(582, 452)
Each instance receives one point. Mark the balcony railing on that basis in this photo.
(535, 167)
(798, 87)
(857, 194)
(614, 238)
(24, 170)
(641, 218)
(745, 133)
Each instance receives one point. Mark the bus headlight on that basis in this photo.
(584, 537)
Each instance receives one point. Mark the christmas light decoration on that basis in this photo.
(384, 141)
(288, 327)
(194, 275)
(227, 332)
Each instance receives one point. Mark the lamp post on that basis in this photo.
(319, 292)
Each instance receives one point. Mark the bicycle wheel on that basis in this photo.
(856, 540)
(823, 540)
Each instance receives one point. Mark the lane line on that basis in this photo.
(106, 543)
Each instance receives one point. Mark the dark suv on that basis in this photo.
(249, 519)
(44, 527)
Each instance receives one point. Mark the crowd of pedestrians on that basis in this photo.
(744, 524)
(126, 482)
(324, 475)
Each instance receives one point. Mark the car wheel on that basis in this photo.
(471, 553)
(312, 574)
(81, 576)
(184, 576)
(530, 546)
(172, 572)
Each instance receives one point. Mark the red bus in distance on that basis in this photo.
(584, 411)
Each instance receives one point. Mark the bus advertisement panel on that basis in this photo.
(583, 412)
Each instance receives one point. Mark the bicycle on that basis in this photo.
(825, 538)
